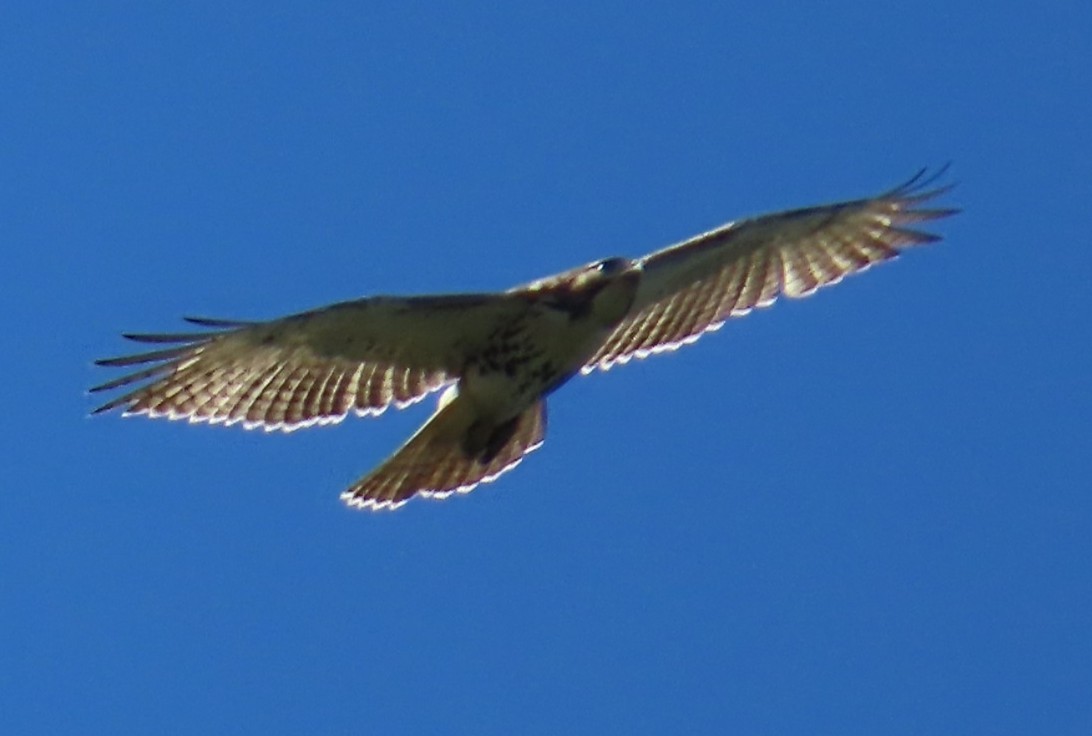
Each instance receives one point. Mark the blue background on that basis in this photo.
(866, 512)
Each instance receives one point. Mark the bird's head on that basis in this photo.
(605, 288)
(611, 285)
(583, 279)
(598, 274)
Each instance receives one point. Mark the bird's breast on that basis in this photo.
(533, 355)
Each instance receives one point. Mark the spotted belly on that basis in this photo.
(504, 381)
(526, 360)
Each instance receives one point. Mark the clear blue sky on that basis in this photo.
(867, 512)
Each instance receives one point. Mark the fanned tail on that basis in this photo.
(435, 462)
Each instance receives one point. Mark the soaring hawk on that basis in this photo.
(500, 355)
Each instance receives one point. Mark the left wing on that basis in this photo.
(693, 287)
(316, 366)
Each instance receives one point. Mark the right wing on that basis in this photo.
(693, 287)
(315, 366)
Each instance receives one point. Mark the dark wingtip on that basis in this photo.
(108, 406)
(214, 322)
(153, 357)
(923, 184)
(167, 337)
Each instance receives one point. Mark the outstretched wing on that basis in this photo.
(693, 287)
(311, 367)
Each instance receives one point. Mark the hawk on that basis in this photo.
(500, 355)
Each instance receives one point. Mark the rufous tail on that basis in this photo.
(436, 461)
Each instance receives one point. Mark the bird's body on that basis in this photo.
(501, 355)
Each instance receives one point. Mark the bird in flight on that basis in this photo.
(500, 355)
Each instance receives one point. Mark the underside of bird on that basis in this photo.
(453, 452)
(500, 354)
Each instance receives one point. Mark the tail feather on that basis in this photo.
(434, 462)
